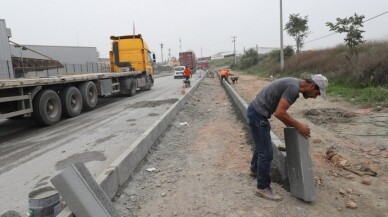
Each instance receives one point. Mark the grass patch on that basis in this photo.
(226, 62)
(365, 97)
(257, 70)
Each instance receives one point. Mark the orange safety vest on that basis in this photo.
(224, 73)
(187, 72)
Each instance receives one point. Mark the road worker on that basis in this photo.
(276, 98)
(224, 74)
(187, 74)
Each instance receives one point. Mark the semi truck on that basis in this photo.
(188, 59)
(48, 99)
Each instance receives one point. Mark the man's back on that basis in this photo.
(266, 101)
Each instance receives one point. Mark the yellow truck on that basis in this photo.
(130, 53)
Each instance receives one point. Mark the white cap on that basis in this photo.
(322, 83)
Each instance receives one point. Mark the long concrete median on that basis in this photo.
(122, 168)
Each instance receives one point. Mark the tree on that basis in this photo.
(351, 26)
(298, 29)
(250, 58)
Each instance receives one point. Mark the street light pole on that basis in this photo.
(281, 38)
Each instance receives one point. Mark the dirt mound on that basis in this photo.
(329, 115)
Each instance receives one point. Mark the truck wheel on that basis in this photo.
(132, 91)
(47, 107)
(71, 101)
(89, 95)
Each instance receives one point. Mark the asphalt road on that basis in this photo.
(30, 155)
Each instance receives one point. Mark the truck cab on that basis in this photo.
(131, 53)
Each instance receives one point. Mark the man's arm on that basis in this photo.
(281, 114)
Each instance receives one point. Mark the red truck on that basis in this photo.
(203, 62)
(187, 59)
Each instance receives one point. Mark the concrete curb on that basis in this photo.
(279, 162)
(122, 168)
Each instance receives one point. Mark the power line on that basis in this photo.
(375, 17)
(335, 32)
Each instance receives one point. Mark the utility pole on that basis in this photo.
(161, 49)
(201, 52)
(281, 38)
(169, 54)
(234, 52)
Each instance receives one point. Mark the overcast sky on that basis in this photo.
(205, 26)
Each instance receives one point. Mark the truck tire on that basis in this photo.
(47, 107)
(89, 95)
(71, 101)
(132, 90)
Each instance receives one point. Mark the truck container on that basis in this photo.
(188, 59)
(47, 99)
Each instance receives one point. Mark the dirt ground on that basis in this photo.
(200, 166)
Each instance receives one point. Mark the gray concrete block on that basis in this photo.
(299, 165)
(82, 193)
(109, 181)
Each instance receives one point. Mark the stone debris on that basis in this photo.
(366, 181)
(351, 204)
(10, 213)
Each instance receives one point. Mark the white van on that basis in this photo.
(178, 72)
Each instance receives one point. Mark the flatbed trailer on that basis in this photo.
(48, 99)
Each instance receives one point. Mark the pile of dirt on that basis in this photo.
(328, 115)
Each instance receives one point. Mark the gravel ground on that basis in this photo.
(200, 168)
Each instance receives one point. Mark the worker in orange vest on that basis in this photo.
(224, 74)
(187, 74)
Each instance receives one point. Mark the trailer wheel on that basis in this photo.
(132, 91)
(47, 107)
(71, 101)
(89, 95)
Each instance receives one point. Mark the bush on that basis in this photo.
(249, 59)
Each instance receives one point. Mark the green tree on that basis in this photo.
(351, 26)
(249, 58)
(288, 51)
(298, 29)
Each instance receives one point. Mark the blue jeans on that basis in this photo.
(263, 153)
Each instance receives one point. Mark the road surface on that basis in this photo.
(31, 155)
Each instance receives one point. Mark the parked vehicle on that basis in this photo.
(48, 99)
(178, 72)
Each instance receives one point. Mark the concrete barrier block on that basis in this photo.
(109, 181)
(299, 165)
(82, 193)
